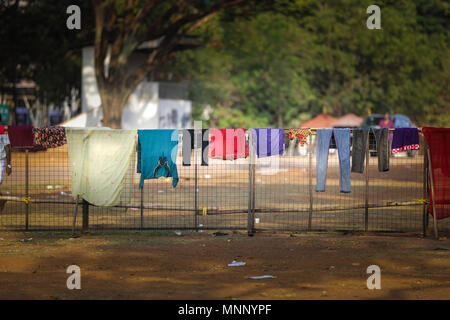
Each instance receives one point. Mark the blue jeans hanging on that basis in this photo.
(342, 137)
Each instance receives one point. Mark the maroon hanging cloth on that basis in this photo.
(438, 140)
(21, 136)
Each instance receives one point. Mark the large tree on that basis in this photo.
(122, 26)
(320, 56)
(36, 46)
(253, 71)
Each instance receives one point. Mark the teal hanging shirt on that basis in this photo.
(157, 154)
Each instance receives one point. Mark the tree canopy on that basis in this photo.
(36, 45)
(255, 62)
(315, 56)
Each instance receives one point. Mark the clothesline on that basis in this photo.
(89, 152)
(313, 130)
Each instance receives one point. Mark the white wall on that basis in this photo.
(90, 98)
(175, 114)
(140, 112)
(85, 119)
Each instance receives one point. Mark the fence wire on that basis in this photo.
(227, 194)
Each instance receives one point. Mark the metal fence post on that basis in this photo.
(366, 193)
(75, 215)
(85, 225)
(310, 191)
(27, 206)
(253, 193)
(430, 172)
(251, 181)
(196, 178)
(425, 189)
(142, 207)
(142, 201)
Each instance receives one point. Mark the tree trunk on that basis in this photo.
(112, 110)
(12, 114)
(280, 121)
(113, 103)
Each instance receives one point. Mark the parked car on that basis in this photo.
(372, 121)
(400, 121)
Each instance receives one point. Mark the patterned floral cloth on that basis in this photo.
(49, 137)
(302, 134)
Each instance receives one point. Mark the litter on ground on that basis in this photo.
(262, 277)
(236, 263)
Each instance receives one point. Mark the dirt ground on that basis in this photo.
(163, 265)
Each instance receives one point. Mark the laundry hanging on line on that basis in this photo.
(438, 140)
(100, 160)
(49, 137)
(228, 144)
(383, 152)
(21, 136)
(342, 137)
(301, 133)
(405, 139)
(359, 145)
(157, 152)
(268, 142)
(188, 145)
(4, 141)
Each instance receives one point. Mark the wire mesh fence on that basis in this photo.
(227, 194)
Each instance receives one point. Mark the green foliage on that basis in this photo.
(252, 68)
(36, 45)
(266, 63)
(293, 59)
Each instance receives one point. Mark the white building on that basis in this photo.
(153, 105)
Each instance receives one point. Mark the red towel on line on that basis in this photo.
(228, 144)
(21, 136)
(438, 140)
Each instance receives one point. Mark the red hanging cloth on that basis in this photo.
(438, 140)
(21, 136)
(228, 144)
